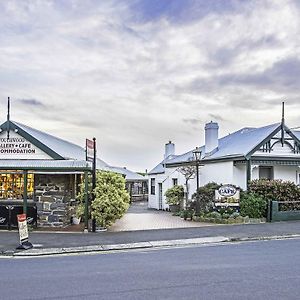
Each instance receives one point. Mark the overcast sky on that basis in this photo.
(136, 74)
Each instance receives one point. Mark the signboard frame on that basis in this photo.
(23, 232)
(227, 196)
(89, 150)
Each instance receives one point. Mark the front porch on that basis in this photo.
(48, 187)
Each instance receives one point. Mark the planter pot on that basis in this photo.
(174, 208)
(76, 221)
(101, 229)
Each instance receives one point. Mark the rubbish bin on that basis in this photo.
(9, 209)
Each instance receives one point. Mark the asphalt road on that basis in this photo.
(252, 270)
(9, 240)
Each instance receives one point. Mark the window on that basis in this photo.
(266, 172)
(12, 185)
(175, 181)
(152, 186)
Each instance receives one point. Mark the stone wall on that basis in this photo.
(54, 195)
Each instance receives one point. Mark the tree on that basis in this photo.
(111, 198)
(188, 172)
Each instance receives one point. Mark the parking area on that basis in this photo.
(139, 217)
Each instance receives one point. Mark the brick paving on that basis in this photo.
(139, 217)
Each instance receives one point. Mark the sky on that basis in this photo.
(138, 73)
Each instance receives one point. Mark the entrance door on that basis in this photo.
(160, 196)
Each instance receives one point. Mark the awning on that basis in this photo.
(45, 165)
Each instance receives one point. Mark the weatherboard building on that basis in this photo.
(271, 152)
(43, 172)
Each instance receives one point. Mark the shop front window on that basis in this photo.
(12, 185)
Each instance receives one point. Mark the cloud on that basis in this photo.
(31, 102)
(136, 74)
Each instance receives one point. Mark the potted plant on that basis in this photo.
(174, 197)
(78, 215)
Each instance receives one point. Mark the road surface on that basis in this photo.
(252, 270)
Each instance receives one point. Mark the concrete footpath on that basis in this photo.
(61, 243)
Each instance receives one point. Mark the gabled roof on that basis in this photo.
(129, 175)
(159, 169)
(243, 141)
(55, 147)
(185, 157)
(240, 144)
(69, 154)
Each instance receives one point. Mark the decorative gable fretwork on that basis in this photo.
(278, 146)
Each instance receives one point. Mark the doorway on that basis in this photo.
(160, 206)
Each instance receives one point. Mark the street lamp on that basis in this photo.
(197, 157)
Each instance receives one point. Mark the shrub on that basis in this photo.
(111, 198)
(206, 196)
(215, 214)
(187, 213)
(277, 190)
(235, 215)
(253, 205)
(175, 195)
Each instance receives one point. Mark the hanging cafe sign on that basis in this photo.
(15, 146)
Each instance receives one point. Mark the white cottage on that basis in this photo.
(271, 152)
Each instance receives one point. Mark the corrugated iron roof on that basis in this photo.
(159, 169)
(74, 155)
(64, 148)
(129, 175)
(239, 143)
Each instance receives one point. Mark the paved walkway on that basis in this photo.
(139, 217)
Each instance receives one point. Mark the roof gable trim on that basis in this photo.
(31, 139)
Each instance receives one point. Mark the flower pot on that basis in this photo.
(76, 221)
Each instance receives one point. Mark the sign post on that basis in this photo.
(23, 233)
(91, 156)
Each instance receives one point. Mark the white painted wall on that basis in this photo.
(222, 173)
(167, 182)
(286, 173)
(240, 176)
(218, 172)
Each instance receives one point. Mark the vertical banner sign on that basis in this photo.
(23, 232)
(90, 150)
